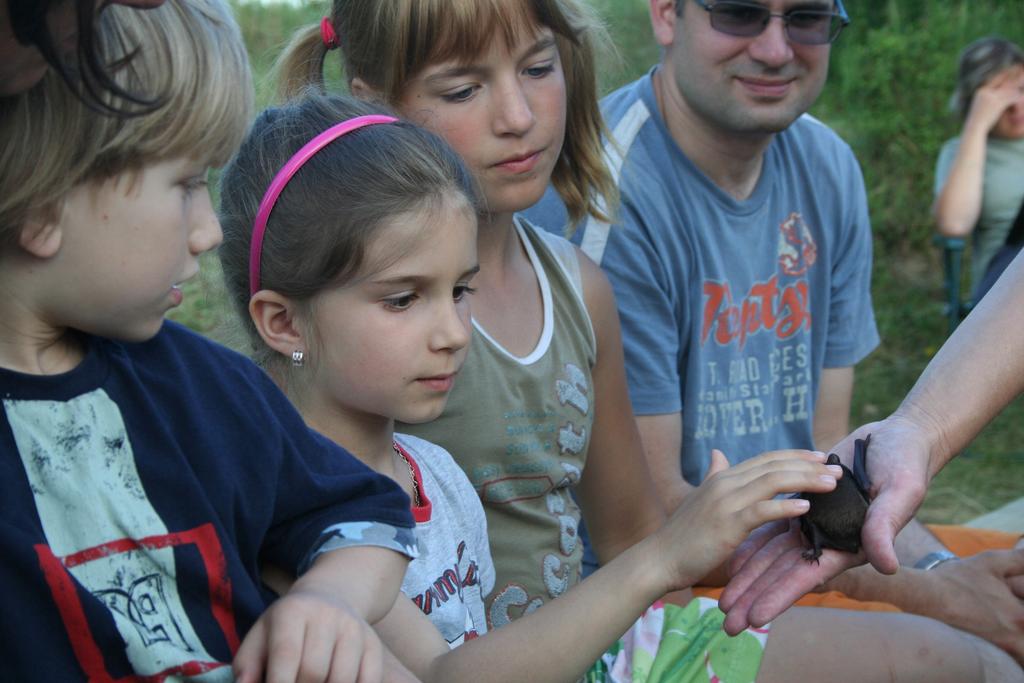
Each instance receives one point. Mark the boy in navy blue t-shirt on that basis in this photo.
(147, 473)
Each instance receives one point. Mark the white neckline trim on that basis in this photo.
(545, 296)
(596, 232)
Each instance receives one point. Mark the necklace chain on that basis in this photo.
(412, 474)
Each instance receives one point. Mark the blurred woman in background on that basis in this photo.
(979, 178)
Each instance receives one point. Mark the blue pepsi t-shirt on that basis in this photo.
(731, 308)
(141, 492)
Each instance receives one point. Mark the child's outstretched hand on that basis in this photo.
(718, 515)
(309, 636)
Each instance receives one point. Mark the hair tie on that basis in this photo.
(328, 34)
(290, 168)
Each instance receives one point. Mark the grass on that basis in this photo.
(906, 283)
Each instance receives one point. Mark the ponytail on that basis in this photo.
(386, 42)
(301, 66)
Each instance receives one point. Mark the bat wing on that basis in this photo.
(860, 465)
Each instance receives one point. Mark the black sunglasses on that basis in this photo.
(803, 26)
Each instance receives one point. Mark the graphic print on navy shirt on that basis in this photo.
(104, 535)
(750, 389)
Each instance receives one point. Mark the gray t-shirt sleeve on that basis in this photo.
(648, 309)
(944, 163)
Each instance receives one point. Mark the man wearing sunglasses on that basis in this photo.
(742, 265)
(741, 259)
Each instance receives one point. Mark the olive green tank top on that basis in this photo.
(519, 428)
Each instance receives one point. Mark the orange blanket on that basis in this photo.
(961, 540)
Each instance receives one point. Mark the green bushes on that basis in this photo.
(892, 74)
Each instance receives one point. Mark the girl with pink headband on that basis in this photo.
(357, 302)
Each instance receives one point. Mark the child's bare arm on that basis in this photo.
(318, 630)
(564, 637)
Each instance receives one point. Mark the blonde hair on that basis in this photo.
(385, 43)
(189, 52)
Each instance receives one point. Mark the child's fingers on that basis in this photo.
(251, 655)
(341, 655)
(769, 457)
(318, 646)
(742, 475)
(371, 666)
(781, 477)
(346, 659)
(284, 654)
(764, 511)
(749, 470)
(719, 463)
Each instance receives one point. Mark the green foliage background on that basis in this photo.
(891, 75)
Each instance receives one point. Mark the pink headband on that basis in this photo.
(290, 168)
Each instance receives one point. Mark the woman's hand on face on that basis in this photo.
(994, 97)
(716, 517)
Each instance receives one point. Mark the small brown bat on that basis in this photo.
(835, 518)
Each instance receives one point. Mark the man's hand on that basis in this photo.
(768, 573)
(900, 469)
(982, 594)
